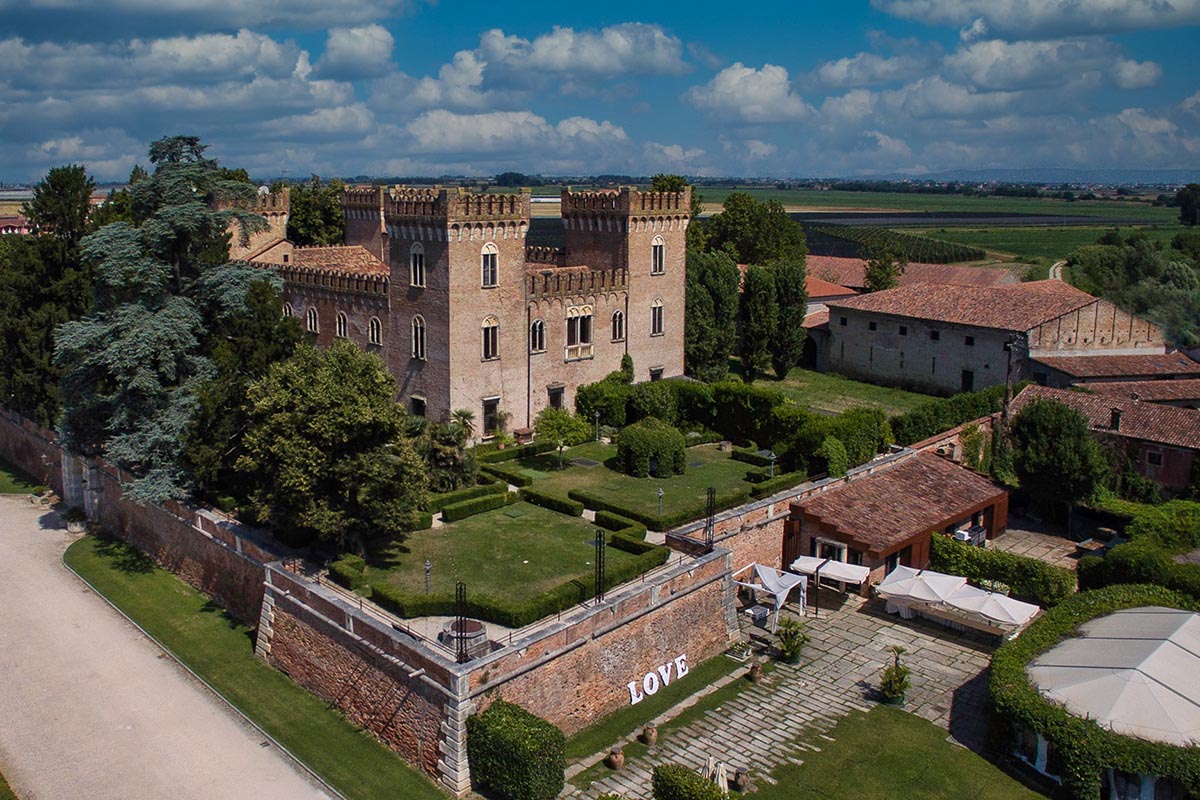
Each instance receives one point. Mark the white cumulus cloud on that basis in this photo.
(750, 95)
(358, 52)
(1042, 18)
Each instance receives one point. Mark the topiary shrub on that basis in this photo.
(609, 397)
(349, 571)
(652, 440)
(677, 782)
(515, 754)
(653, 399)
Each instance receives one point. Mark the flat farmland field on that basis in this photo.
(1038, 242)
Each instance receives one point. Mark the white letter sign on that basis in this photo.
(659, 677)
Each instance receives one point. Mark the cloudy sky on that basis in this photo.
(414, 87)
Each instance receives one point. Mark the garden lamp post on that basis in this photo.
(772, 456)
(660, 495)
(596, 414)
(428, 567)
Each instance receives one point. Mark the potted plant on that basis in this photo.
(792, 638)
(894, 682)
(75, 519)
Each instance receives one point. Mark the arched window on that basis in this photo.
(658, 263)
(288, 311)
(343, 325)
(416, 266)
(491, 338)
(489, 265)
(656, 317)
(375, 331)
(310, 321)
(579, 332)
(537, 336)
(618, 326)
(418, 338)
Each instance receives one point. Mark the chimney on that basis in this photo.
(1115, 424)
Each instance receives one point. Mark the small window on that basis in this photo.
(618, 326)
(658, 256)
(656, 374)
(343, 325)
(491, 339)
(286, 258)
(418, 338)
(656, 318)
(556, 397)
(288, 311)
(491, 416)
(417, 406)
(416, 266)
(842, 321)
(311, 322)
(871, 326)
(935, 336)
(490, 271)
(537, 336)
(904, 330)
(375, 331)
(969, 341)
(1154, 459)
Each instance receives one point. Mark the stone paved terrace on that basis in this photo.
(794, 707)
(1028, 537)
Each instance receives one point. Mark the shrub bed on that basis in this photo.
(572, 507)
(349, 571)
(615, 522)
(439, 501)
(1085, 747)
(677, 782)
(935, 416)
(1156, 534)
(507, 474)
(1030, 579)
(749, 456)
(652, 440)
(468, 508)
(515, 754)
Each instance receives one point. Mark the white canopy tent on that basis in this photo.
(775, 583)
(949, 600)
(833, 570)
(1133, 671)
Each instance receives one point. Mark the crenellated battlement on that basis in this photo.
(626, 201)
(362, 198)
(404, 204)
(272, 202)
(551, 256)
(570, 281)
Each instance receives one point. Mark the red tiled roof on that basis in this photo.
(1134, 366)
(853, 272)
(1150, 391)
(888, 509)
(344, 259)
(1151, 422)
(816, 320)
(817, 287)
(1018, 307)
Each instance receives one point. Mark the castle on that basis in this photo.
(466, 316)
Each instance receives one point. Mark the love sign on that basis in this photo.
(652, 681)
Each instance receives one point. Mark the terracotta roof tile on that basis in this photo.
(1151, 422)
(853, 272)
(343, 259)
(889, 508)
(1133, 366)
(1018, 307)
(816, 320)
(1150, 391)
(817, 287)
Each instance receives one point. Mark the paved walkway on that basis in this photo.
(90, 708)
(1026, 537)
(792, 710)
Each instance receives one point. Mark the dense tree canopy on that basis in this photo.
(133, 367)
(753, 232)
(562, 428)
(315, 216)
(1188, 200)
(326, 455)
(759, 320)
(61, 204)
(787, 345)
(711, 313)
(1054, 455)
(883, 270)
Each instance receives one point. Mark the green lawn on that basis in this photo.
(1039, 242)
(6, 793)
(889, 754)
(15, 481)
(707, 466)
(508, 554)
(822, 391)
(222, 652)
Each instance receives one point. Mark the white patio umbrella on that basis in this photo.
(925, 586)
(996, 607)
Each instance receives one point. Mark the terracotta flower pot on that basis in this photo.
(755, 673)
(650, 734)
(616, 758)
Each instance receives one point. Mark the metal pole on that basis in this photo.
(599, 566)
(772, 457)
(460, 614)
(597, 415)
(428, 566)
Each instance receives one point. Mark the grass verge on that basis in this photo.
(888, 754)
(15, 481)
(833, 394)
(221, 651)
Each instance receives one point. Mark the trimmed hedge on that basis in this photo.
(515, 754)
(749, 456)
(667, 520)
(1156, 534)
(572, 507)
(511, 453)
(507, 474)
(652, 440)
(777, 484)
(349, 571)
(477, 505)
(936, 416)
(615, 522)
(1085, 747)
(424, 521)
(677, 782)
(439, 501)
(1031, 580)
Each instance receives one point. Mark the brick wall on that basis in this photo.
(33, 449)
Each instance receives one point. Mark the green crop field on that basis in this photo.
(1037, 242)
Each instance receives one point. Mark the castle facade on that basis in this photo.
(466, 316)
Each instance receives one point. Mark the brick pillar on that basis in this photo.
(453, 767)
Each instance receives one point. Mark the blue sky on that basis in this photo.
(402, 87)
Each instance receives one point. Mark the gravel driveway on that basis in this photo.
(90, 708)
